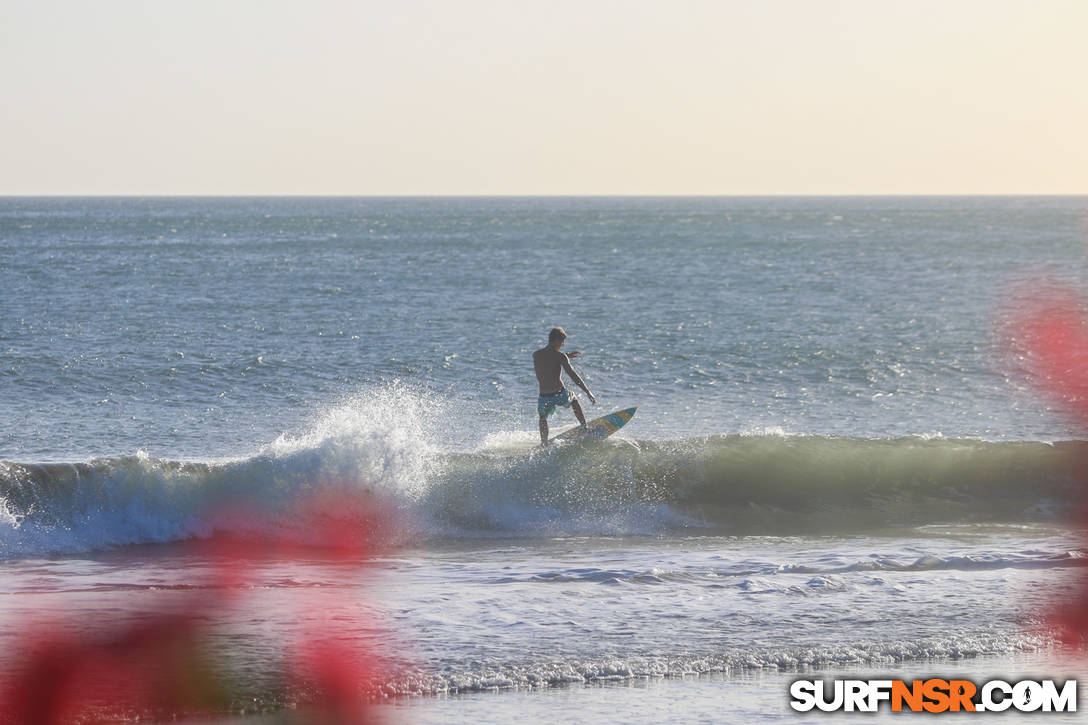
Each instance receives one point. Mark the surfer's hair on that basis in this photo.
(557, 334)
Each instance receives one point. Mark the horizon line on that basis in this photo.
(129, 195)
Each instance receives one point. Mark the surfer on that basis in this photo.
(550, 363)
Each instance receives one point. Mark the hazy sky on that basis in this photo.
(546, 97)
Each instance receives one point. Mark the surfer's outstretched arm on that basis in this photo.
(577, 378)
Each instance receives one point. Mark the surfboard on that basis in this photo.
(601, 427)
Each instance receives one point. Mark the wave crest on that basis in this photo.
(743, 485)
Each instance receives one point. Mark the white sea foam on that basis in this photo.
(542, 674)
(380, 438)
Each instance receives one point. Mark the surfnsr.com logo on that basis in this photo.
(933, 695)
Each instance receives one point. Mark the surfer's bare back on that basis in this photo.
(550, 363)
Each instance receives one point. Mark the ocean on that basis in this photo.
(838, 463)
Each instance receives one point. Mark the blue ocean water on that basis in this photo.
(207, 327)
(831, 425)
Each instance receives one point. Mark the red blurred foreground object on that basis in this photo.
(1050, 332)
(340, 674)
(162, 667)
(152, 667)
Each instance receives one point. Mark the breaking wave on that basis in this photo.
(730, 484)
(756, 485)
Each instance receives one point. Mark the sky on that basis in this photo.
(497, 97)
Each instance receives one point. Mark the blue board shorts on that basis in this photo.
(545, 404)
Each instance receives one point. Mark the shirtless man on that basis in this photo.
(549, 363)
